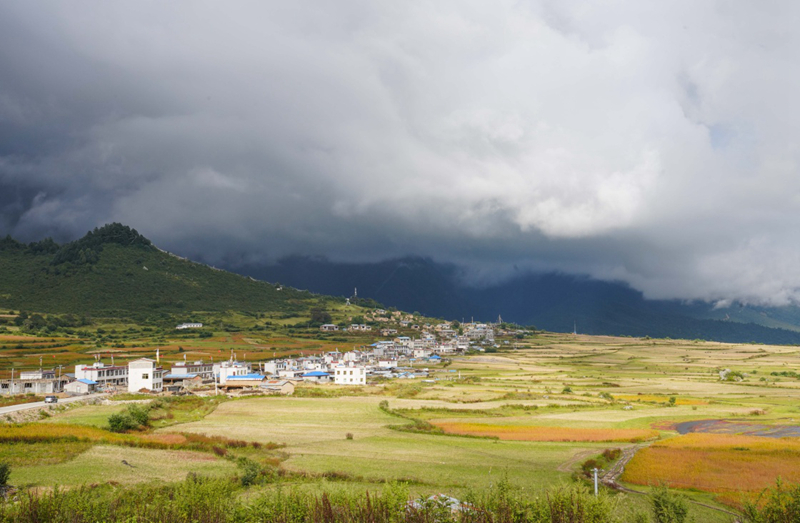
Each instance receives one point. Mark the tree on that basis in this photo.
(319, 316)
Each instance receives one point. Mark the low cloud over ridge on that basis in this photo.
(650, 143)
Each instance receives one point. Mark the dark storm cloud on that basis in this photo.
(653, 143)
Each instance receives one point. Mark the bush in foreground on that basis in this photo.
(5, 473)
(780, 504)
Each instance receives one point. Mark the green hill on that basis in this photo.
(115, 271)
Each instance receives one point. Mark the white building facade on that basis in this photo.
(106, 376)
(145, 373)
(346, 375)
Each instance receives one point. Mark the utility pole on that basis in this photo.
(12, 380)
(595, 481)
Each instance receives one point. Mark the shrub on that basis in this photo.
(589, 465)
(5, 473)
(775, 505)
(668, 507)
(349, 435)
(135, 417)
(251, 471)
(121, 423)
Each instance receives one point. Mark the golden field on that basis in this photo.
(522, 433)
(716, 462)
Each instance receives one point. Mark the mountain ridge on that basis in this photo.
(552, 301)
(113, 270)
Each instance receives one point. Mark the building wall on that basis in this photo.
(145, 374)
(31, 386)
(350, 376)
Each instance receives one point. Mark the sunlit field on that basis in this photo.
(518, 433)
(716, 462)
(532, 415)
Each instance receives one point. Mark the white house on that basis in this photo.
(145, 373)
(273, 367)
(244, 381)
(82, 386)
(105, 376)
(329, 327)
(189, 326)
(197, 368)
(350, 375)
(226, 369)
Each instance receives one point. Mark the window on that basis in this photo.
(28, 385)
(145, 376)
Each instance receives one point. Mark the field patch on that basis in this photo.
(654, 398)
(716, 462)
(104, 463)
(315, 429)
(531, 433)
(718, 426)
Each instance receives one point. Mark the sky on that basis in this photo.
(655, 143)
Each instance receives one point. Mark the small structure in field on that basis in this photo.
(81, 386)
(284, 387)
(191, 325)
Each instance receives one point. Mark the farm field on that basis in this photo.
(315, 433)
(531, 414)
(103, 464)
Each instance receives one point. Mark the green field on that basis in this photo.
(103, 464)
(315, 433)
(560, 384)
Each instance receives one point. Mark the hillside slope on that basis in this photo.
(113, 271)
(551, 301)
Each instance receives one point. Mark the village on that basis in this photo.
(398, 357)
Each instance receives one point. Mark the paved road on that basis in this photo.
(39, 404)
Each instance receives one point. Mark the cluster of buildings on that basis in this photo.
(399, 357)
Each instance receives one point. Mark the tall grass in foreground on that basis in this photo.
(203, 500)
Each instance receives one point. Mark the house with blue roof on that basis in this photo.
(317, 376)
(81, 386)
(242, 381)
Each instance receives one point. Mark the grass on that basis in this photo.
(46, 453)
(509, 394)
(7, 401)
(103, 463)
(314, 430)
(88, 415)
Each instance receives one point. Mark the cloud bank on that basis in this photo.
(654, 143)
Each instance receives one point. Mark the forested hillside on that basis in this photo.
(114, 270)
